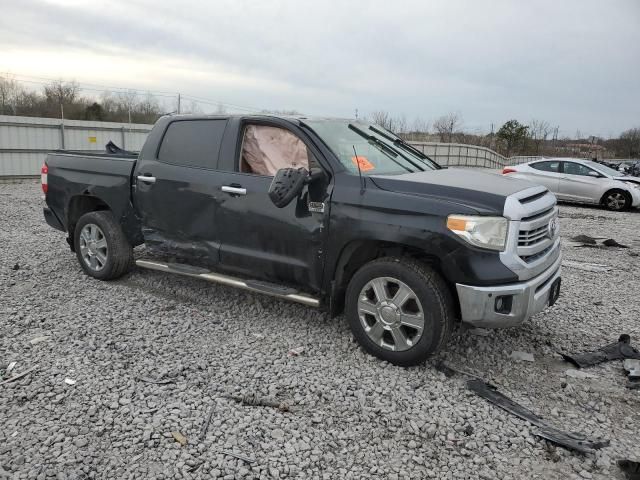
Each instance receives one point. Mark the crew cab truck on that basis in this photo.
(335, 214)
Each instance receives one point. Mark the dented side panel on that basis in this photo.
(103, 178)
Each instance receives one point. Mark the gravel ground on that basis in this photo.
(352, 416)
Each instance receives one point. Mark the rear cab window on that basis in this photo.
(192, 143)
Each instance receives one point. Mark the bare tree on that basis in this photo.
(382, 118)
(447, 125)
(61, 93)
(10, 92)
(539, 130)
(631, 142)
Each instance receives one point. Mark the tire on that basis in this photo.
(385, 328)
(616, 200)
(101, 246)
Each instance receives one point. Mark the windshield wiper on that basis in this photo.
(400, 142)
(388, 150)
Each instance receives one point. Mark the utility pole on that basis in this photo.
(62, 126)
(356, 113)
(178, 104)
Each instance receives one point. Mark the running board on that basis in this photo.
(258, 286)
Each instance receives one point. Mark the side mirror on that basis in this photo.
(594, 174)
(287, 185)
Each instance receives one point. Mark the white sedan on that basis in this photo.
(581, 181)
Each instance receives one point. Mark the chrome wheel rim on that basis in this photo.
(93, 247)
(391, 314)
(616, 201)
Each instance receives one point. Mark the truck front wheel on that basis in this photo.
(101, 246)
(399, 310)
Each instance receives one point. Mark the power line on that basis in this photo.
(124, 90)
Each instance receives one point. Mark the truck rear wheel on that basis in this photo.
(101, 246)
(399, 310)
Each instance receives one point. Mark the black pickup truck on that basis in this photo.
(335, 214)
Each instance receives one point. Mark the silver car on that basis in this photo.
(581, 181)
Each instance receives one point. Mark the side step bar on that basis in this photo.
(251, 285)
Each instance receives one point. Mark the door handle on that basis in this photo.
(146, 179)
(234, 190)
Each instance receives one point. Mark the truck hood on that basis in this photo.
(485, 192)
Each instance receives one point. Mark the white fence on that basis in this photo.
(25, 141)
(461, 155)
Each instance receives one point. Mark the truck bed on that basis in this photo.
(104, 177)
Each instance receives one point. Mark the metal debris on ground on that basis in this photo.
(205, 426)
(522, 356)
(574, 441)
(237, 455)
(630, 468)
(18, 376)
(37, 340)
(587, 267)
(294, 352)
(69, 381)
(253, 399)
(586, 239)
(614, 351)
(178, 437)
(157, 381)
(610, 242)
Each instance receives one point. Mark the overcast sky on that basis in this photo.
(575, 63)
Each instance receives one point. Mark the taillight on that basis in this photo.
(506, 170)
(44, 177)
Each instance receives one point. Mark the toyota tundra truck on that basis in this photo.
(335, 214)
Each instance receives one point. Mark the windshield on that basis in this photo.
(603, 169)
(376, 154)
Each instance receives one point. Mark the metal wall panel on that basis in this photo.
(24, 141)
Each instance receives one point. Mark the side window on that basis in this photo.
(572, 168)
(193, 143)
(546, 166)
(267, 149)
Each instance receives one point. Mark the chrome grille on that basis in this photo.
(530, 249)
(531, 237)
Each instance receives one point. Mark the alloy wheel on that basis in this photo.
(93, 247)
(391, 314)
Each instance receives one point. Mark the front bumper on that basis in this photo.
(478, 304)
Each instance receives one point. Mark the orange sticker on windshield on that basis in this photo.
(364, 164)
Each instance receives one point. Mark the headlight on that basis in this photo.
(484, 232)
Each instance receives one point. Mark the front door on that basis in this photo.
(282, 245)
(176, 192)
(579, 182)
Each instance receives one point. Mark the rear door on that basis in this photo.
(576, 182)
(281, 245)
(176, 191)
(545, 173)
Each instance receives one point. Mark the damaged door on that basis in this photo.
(176, 192)
(282, 245)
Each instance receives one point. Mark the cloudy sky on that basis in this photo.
(574, 63)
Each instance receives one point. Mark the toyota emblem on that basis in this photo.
(552, 229)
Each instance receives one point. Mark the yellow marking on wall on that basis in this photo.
(93, 140)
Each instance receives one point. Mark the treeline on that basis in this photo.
(536, 137)
(59, 99)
